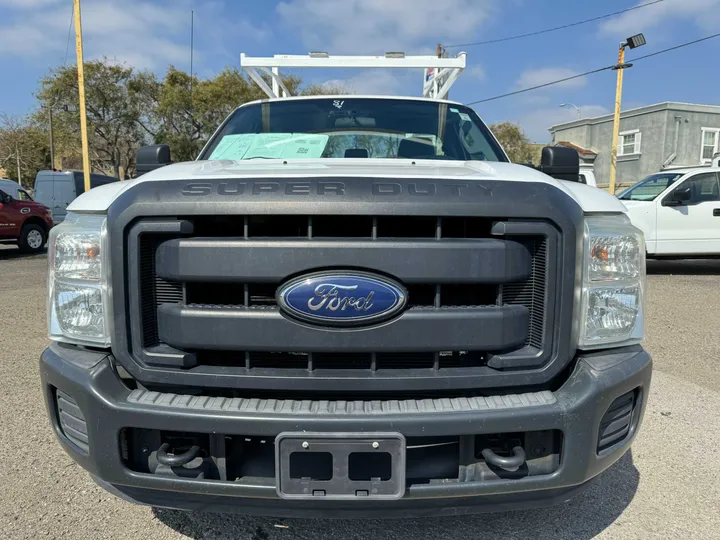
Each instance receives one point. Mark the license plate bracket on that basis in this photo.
(340, 466)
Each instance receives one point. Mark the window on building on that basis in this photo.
(710, 140)
(629, 143)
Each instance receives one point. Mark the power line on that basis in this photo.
(578, 23)
(67, 44)
(674, 48)
(541, 85)
(687, 44)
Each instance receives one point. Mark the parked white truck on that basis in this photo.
(679, 212)
(347, 306)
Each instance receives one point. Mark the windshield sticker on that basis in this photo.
(454, 111)
(338, 103)
(270, 146)
(305, 146)
(465, 116)
(233, 146)
(267, 145)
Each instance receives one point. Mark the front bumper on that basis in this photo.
(575, 409)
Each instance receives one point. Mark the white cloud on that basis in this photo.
(28, 4)
(141, 33)
(247, 31)
(537, 122)
(377, 26)
(392, 82)
(536, 77)
(704, 13)
(377, 82)
(475, 72)
(23, 40)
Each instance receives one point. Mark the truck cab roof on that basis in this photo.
(350, 96)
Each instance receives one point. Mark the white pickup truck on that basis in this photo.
(679, 212)
(347, 306)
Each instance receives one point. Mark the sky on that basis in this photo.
(153, 34)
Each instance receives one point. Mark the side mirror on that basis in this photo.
(678, 197)
(561, 163)
(149, 158)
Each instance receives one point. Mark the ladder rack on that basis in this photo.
(439, 75)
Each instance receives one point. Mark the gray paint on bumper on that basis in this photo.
(577, 410)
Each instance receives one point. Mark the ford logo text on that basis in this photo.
(342, 298)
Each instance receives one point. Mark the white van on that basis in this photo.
(57, 189)
(678, 210)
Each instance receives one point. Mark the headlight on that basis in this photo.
(613, 283)
(78, 281)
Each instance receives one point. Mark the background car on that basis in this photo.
(24, 221)
(679, 212)
(15, 190)
(57, 189)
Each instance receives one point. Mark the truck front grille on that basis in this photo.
(155, 290)
(531, 292)
(170, 301)
(374, 362)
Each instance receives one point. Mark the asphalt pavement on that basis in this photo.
(668, 486)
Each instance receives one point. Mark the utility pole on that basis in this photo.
(81, 93)
(52, 140)
(438, 81)
(192, 43)
(17, 162)
(620, 67)
(637, 40)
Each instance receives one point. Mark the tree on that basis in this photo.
(514, 141)
(326, 89)
(186, 122)
(113, 115)
(24, 149)
(127, 108)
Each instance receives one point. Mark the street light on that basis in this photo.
(638, 40)
(633, 42)
(579, 114)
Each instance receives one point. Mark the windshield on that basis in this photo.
(354, 128)
(650, 188)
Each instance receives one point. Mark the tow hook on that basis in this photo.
(507, 463)
(175, 460)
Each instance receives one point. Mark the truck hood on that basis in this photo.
(636, 204)
(590, 199)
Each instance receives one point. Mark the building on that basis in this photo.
(652, 138)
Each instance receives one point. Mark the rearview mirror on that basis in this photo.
(678, 197)
(149, 158)
(561, 163)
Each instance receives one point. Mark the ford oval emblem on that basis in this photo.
(342, 298)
